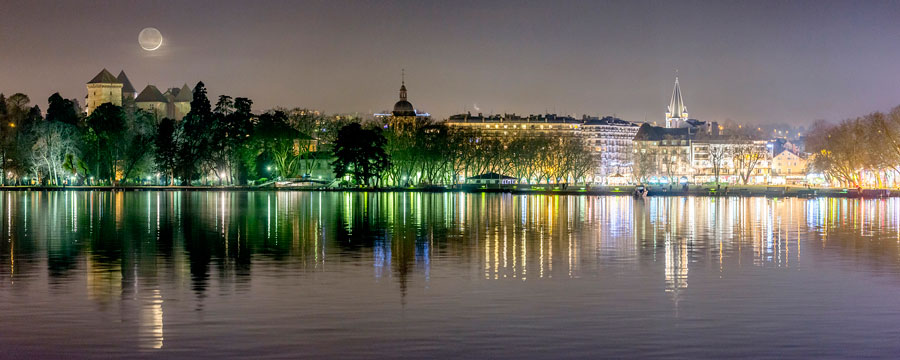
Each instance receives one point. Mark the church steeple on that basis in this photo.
(402, 84)
(677, 112)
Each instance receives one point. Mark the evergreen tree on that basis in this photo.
(61, 110)
(225, 105)
(194, 136)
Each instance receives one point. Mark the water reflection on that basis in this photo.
(137, 253)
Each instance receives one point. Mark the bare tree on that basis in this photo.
(53, 141)
(718, 154)
(645, 164)
(747, 157)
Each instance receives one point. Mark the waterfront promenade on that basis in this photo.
(694, 190)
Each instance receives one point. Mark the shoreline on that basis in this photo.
(741, 191)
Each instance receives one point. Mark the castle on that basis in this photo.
(117, 90)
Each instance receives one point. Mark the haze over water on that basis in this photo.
(413, 275)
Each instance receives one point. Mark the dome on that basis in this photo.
(404, 108)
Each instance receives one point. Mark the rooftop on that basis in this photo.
(104, 77)
(150, 94)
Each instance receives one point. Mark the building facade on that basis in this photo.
(152, 101)
(611, 141)
(178, 102)
(789, 168)
(608, 139)
(662, 155)
(691, 155)
(730, 159)
(175, 103)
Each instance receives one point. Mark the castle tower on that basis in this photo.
(677, 112)
(128, 90)
(103, 88)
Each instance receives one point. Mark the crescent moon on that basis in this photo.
(150, 39)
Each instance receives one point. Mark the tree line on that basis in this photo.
(415, 151)
(862, 151)
(226, 144)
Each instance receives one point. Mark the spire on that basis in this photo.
(677, 110)
(402, 84)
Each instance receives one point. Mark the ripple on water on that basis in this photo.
(354, 275)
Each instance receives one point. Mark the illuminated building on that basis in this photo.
(686, 154)
(103, 88)
(663, 154)
(106, 88)
(512, 124)
(152, 101)
(730, 150)
(789, 168)
(612, 142)
(179, 102)
(404, 111)
(609, 139)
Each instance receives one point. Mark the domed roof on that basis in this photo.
(404, 107)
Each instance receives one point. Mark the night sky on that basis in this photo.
(753, 62)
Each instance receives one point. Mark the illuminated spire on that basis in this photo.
(676, 110)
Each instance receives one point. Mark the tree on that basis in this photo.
(360, 153)
(193, 137)
(581, 162)
(746, 158)
(165, 154)
(279, 140)
(239, 129)
(645, 164)
(12, 135)
(136, 144)
(55, 141)
(3, 109)
(62, 110)
(225, 105)
(718, 154)
(838, 150)
(313, 126)
(107, 126)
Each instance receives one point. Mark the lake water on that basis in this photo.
(413, 275)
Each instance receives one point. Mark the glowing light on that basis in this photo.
(150, 39)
